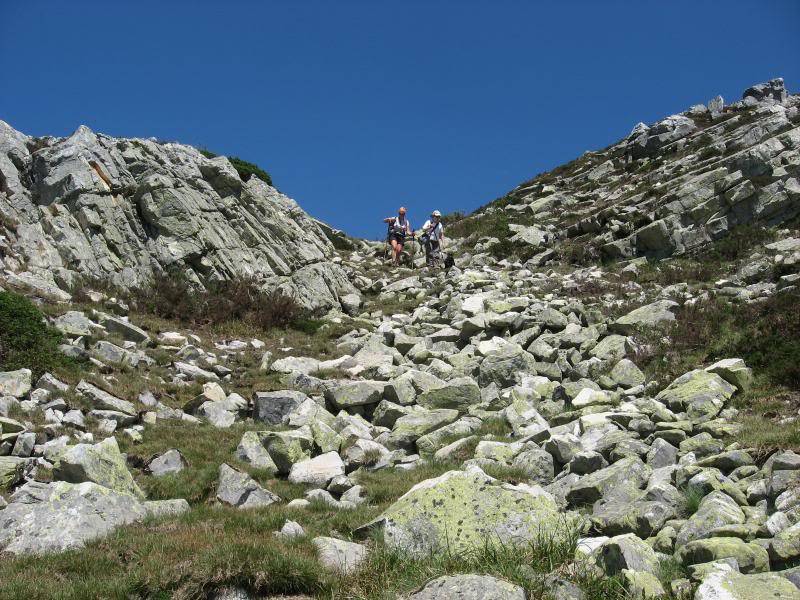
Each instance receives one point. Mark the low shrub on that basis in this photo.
(766, 335)
(172, 296)
(738, 243)
(26, 341)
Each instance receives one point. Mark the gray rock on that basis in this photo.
(252, 451)
(178, 207)
(459, 393)
(168, 463)
(240, 490)
(461, 510)
(272, 407)
(290, 530)
(100, 463)
(355, 393)
(317, 471)
(649, 316)
(339, 556)
(626, 552)
(103, 400)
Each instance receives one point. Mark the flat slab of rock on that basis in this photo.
(317, 471)
(469, 587)
(652, 315)
(103, 400)
(463, 510)
(726, 584)
(355, 393)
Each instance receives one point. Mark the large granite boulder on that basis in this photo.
(463, 510)
(101, 463)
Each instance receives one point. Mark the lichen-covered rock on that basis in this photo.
(355, 393)
(101, 463)
(624, 475)
(652, 315)
(626, 552)
(724, 583)
(734, 371)
(463, 510)
(459, 393)
(15, 383)
(409, 428)
(700, 393)
(58, 516)
(751, 557)
(469, 587)
(288, 447)
(252, 451)
(103, 400)
(716, 510)
(11, 468)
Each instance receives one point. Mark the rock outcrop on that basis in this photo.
(668, 188)
(121, 210)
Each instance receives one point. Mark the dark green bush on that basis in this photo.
(26, 341)
(247, 169)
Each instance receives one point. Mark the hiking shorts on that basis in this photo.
(400, 238)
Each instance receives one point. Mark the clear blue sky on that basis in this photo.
(358, 107)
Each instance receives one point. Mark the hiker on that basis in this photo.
(433, 237)
(399, 227)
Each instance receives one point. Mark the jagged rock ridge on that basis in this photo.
(669, 188)
(123, 209)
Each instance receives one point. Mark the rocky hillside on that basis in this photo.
(118, 211)
(518, 427)
(667, 189)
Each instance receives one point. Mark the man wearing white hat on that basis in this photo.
(433, 237)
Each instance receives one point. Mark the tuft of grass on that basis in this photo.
(691, 501)
(205, 449)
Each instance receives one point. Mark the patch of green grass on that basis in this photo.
(692, 497)
(26, 341)
(208, 547)
(205, 449)
(387, 485)
(387, 574)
